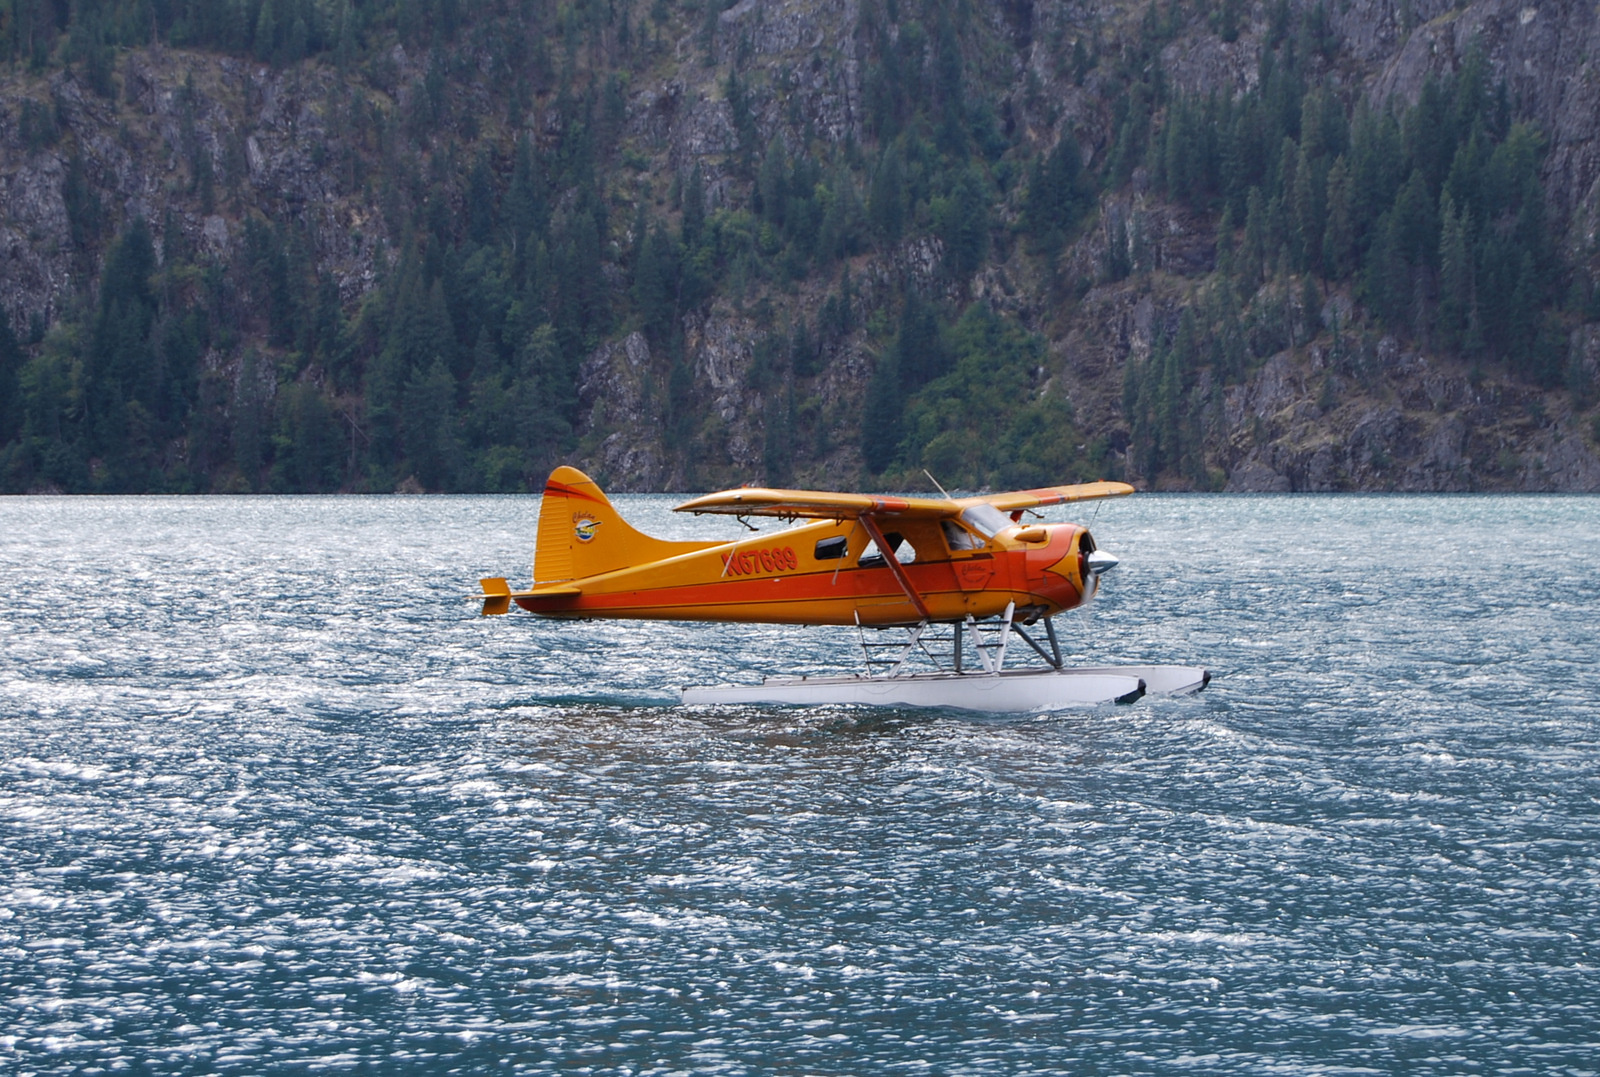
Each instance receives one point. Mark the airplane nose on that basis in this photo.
(1099, 561)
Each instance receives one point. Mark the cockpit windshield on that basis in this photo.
(985, 519)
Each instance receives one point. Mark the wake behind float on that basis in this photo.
(926, 565)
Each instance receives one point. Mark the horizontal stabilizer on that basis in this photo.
(563, 590)
(497, 594)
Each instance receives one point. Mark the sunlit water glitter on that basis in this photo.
(273, 798)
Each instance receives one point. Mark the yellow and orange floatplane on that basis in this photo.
(953, 572)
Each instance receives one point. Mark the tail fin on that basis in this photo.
(581, 534)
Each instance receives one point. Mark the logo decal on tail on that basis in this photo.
(584, 527)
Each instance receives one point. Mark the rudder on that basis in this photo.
(581, 534)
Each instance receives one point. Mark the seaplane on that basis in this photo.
(959, 576)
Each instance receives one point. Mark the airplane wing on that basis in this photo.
(1050, 495)
(819, 505)
(816, 505)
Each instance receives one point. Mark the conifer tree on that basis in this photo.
(886, 206)
(1455, 274)
(250, 417)
(655, 286)
(266, 31)
(771, 194)
(919, 350)
(306, 445)
(523, 211)
(963, 220)
(1338, 234)
(1253, 254)
(881, 416)
(694, 207)
(10, 386)
(1058, 196)
(431, 446)
(1306, 229)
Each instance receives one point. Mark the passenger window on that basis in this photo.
(958, 537)
(831, 549)
(872, 557)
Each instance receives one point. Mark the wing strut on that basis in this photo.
(895, 567)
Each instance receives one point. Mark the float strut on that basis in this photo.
(1031, 642)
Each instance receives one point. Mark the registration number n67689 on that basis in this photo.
(765, 559)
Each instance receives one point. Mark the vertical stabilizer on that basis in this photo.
(581, 534)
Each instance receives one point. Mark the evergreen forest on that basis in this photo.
(520, 219)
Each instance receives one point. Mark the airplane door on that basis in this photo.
(974, 573)
(973, 569)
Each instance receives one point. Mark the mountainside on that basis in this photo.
(432, 245)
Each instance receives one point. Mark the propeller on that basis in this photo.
(1099, 561)
(1096, 563)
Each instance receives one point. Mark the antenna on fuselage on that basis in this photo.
(935, 482)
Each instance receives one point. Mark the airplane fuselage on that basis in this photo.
(816, 573)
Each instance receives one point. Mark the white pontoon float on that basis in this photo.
(889, 680)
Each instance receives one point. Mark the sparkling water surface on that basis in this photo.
(274, 799)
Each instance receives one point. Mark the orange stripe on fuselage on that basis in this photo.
(815, 596)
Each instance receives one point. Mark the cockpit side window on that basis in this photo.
(959, 538)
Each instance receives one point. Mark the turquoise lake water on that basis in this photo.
(274, 799)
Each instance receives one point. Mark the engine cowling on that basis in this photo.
(1064, 564)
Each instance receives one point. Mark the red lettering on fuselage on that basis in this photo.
(767, 559)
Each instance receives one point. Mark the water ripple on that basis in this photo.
(272, 799)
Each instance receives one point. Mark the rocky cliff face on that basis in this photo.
(261, 135)
(205, 140)
(1397, 420)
